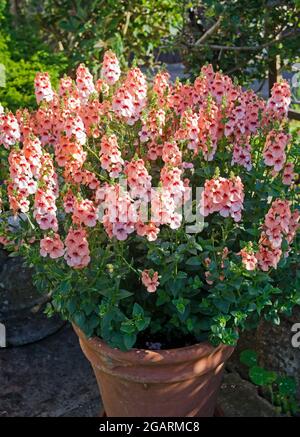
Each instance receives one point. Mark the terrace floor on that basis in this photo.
(52, 378)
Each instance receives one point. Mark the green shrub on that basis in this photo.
(19, 92)
(23, 55)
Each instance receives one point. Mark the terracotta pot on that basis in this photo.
(181, 382)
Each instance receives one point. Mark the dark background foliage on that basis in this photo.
(243, 38)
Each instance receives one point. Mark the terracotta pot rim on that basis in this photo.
(179, 355)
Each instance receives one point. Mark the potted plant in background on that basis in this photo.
(108, 176)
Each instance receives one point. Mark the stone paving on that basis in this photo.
(52, 378)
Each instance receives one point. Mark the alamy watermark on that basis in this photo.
(2, 335)
(296, 337)
(158, 205)
(2, 76)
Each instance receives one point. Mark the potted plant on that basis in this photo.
(156, 215)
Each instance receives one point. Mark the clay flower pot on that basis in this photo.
(181, 382)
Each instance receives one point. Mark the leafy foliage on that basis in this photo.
(83, 30)
(23, 55)
(281, 389)
(240, 37)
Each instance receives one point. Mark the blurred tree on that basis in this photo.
(84, 29)
(244, 38)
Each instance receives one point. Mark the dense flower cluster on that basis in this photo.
(110, 71)
(21, 184)
(77, 249)
(84, 213)
(120, 155)
(110, 156)
(280, 99)
(9, 130)
(46, 195)
(274, 151)
(279, 223)
(131, 98)
(52, 246)
(42, 87)
(225, 196)
(288, 175)
(85, 83)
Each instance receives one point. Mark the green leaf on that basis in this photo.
(64, 287)
(162, 298)
(143, 323)
(194, 261)
(181, 275)
(248, 357)
(79, 319)
(287, 385)
(128, 327)
(222, 305)
(180, 304)
(123, 294)
(129, 340)
(137, 310)
(71, 305)
(88, 307)
(260, 376)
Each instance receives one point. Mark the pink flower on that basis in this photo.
(279, 223)
(4, 241)
(294, 225)
(288, 174)
(9, 130)
(77, 250)
(84, 213)
(84, 82)
(222, 195)
(42, 86)
(22, 183)
(151, 231)
(208, 124)
(69, 201)
(242, 153)
(268, 257)
(52, 246)
(72, 127)
(110, 156)
(153, 125)
(45, 197)
(161, 86)
(280, 100)
(139, 180)
(131, 98)
(110, 71)
(274, 150)
(248, 258)
(171, 154)
(150, 280)
(66, 86)
(189, 130)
